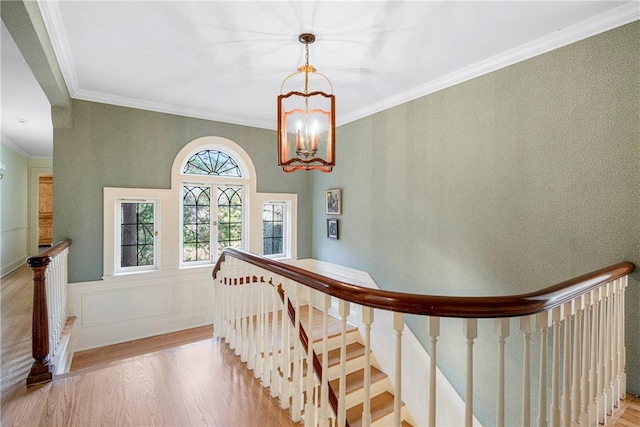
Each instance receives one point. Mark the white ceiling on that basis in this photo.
(225, 60)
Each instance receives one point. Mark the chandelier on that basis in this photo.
(306, 120)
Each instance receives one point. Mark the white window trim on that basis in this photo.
(290, 226)
(118, 236)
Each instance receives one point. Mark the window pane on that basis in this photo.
(196, 223)
(272, 226)
(136, 234)
(229, 217)
(212, 162)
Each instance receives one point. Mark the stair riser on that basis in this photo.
(356, 397)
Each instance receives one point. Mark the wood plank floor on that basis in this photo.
(199, 384)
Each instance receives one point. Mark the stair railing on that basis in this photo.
(49, 310)
(587, 312)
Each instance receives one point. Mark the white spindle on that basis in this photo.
(501, 329)
(556, 315)
(297, 371)
(576, 396)
(608, 350)
(528, 327)
(616, 342)
(398, 326)
(585, 386)
(566, 365)
(470, 330)
(309, 408)
(602, 367)
(343, 311)
(623, 348)
(367, 320)
(275, 352)
(285, 367)
(544, 319)
(325, 304)
(434, 333)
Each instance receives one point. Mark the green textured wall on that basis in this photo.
(111, 146)
(504, 184)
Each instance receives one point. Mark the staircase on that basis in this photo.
(382, 394)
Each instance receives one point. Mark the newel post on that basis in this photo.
(41, 370)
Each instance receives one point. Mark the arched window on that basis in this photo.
(214, 179)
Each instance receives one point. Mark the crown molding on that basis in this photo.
(590, 27)
(158, 107)
(15, 147)
(619, 16)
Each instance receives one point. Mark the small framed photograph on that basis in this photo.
(332, 228)
(333, 202)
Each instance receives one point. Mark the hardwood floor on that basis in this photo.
(198, 384)
(112, 353)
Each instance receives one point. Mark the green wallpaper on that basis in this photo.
(507, 183)
(111, 146)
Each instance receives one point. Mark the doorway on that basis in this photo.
(45, 210)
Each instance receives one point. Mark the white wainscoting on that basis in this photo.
(134, 306)
(415, 359)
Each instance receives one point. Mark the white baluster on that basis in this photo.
(616, 342)
(325, 304)
(309, 408)
(576, 396)
(285, 367)
(501, 329)
(585, 414)
(343, 311)
(258, 313)
(398, 326)
(608, 350)
(566, 365)
(528, 327)
(556, 315)
(297, 372)
(367, 320)
(602, 364)
(470, 330)
(544, 319)
(623, 347)
(275, 353)
(434, 333)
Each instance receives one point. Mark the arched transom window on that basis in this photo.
(212, 162)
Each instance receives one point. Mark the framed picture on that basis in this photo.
(332, 228)
(333, 203)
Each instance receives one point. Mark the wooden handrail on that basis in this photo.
(41, 370)
(436, 305)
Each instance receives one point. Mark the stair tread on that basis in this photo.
(355, 380)
(354, 350)
(381, 405)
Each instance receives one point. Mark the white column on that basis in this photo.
(325, 304)
(566, 365)
(623, 347)
(309, 407)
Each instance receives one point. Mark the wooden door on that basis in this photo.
(45, 210)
